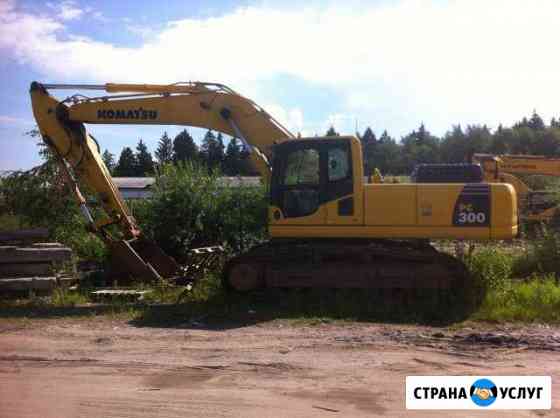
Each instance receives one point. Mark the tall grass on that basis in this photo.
(520, 287)
(534, 299)
(64, 298)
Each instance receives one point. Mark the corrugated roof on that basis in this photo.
(134, 182)
(147, 182)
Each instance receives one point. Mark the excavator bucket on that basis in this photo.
(165, 265)
(139, 259)
(143, 260)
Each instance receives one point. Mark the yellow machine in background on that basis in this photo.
(327, 227)
(535, 205)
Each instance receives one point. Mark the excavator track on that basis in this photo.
(404, 276)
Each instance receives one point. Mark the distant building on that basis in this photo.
(135, 187)
(140, 187)
(5, 173)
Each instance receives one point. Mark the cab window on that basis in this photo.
(339, 164)
(302, 167)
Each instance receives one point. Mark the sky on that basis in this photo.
(388, 64)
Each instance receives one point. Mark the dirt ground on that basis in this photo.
(101, 367)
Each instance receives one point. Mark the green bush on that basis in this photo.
(190, 208)
(542, 254)
(492, 266)
(85, 245)
(10, 222)
(40, 198)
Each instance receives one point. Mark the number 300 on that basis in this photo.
(472, 217)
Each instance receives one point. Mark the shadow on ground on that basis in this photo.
(308, 306)
(230, 310)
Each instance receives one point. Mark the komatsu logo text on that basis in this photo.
(136, 114)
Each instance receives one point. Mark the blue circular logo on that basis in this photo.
(483, 392)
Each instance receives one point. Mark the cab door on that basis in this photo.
(298, 188)
(341, 203)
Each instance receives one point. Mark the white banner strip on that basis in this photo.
(478, 392)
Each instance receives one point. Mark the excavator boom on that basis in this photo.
(207, 105)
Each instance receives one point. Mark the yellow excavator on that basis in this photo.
(534, 205)
(328, 227)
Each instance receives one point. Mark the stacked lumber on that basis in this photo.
(32, 266)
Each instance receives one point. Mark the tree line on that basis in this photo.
(230, 160)
(531, 135)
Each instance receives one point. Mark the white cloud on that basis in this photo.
(342, 122)
(99, 16)
(290, 118)
(140, 30)
(394, 64)
(7, 6)
(68, 10)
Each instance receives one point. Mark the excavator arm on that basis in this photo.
(506, 168)
(206, 105)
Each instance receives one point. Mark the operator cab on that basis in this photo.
(308, 173)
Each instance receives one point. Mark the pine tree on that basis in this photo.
(127, 165)
(524, 123)
(212, 150)
(220, 150)
(536, 122)
(109, 160)
(422, 135)
(164, 151)
(232, 160)
(184, 147)
(384, 137)
(144, 161)
(332, 132)
(368, 137)
(369, 141)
